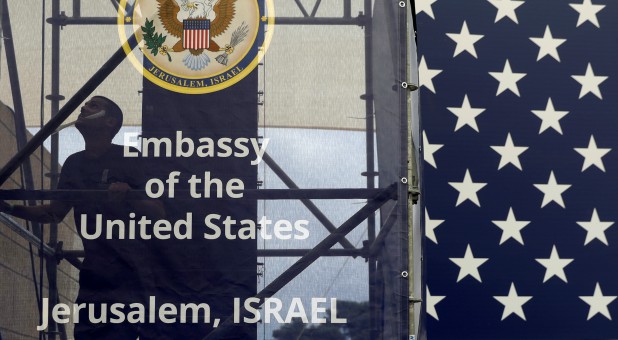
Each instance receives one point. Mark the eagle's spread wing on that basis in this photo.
(225, 10)
(168, 11)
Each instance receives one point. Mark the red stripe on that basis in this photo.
(196, 39)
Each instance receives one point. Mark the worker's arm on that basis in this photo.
(53, 212)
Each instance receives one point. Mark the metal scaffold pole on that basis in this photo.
(54, 97)
(370, 166)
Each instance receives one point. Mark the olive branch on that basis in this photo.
(154, 41)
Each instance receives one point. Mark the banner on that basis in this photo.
(212, 169)
(517, 116)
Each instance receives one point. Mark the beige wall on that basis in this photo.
(18, 306)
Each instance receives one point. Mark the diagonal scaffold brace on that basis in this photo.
(389, 193)
(71, 105)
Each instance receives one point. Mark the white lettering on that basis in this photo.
(165, 310)
(232, 229)
(182, 146)
(181, 141)
(247, 311)
(144, 229)
(259, 150)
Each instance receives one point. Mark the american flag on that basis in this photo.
(196, 33)
(519, 111)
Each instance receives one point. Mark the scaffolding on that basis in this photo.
(399, 192)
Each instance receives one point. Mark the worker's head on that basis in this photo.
(100, 113)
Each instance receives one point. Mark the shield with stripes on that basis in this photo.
(196, 33)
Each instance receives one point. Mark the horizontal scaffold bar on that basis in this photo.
(64, 20)
(268, 252)
(255, 194)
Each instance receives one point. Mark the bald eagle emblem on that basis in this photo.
(196, 25)
(196, 46)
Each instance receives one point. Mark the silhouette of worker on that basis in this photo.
(114, 270)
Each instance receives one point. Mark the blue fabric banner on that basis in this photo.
(519, 171)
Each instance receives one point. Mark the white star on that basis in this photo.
(465, 41)
(552, 191)
(467, 189)
(511, 227)
(598, 303)
(509, 153)
(590, 83)
(469, 265)
(506, 8)
(432, 301)
(550, 118)
(429, 149)
(466, 114)
(508, 80)
(587, 12)
(548, 45)
(426, 75)
(425, 6)
(595, 228)
(593, 155)
(513, 303)
(430, 227)
(554, 265)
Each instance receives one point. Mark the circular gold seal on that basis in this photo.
(196, 46)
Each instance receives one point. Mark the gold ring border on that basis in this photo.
(207, 89)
